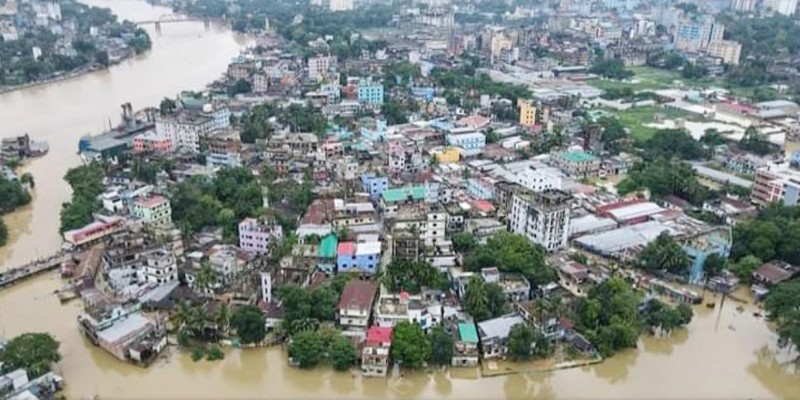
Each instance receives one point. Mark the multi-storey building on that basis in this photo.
(341, 5)
(319, 65)
(223, 149)
(527, 113)
(370, 92)
(743, 5)
(374, 185)
(776, 183)
(152, 141)
(257, 236)
(355, 305)
(577, 164)
(363, 257)
(785, 7)
(375, 354)
(160, 267)
(729, 51)
(154, 211)
(542, 217)
(471, 143)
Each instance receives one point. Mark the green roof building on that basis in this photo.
(327, 247)
(467, 332)
(415, 193)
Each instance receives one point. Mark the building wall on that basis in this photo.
(364, 263)
(527, 114)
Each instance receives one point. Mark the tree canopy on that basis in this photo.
(441, 346)
(412, 276)
(410, 347)
(512, 253)
(783, 305)
(773, 235)
(484, 300)
(612, 69)
(250, 324)
(33, 352)
(663, 177)
(664, 254)
(86, 182)
(609, 316)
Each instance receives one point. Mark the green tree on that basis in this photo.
(167, 106)
(745, 267)
(324, 301)
(783, 305)
(3, 233)
(609, 316)
(250, 324)
(714, 265)
(410, 347)
(342, 353)
(442, 343)
(512, 253)
(664, 253)
(613, 69)
(307, 349)
(412, 276)
(464, 242)
(520, 342)
(755, 142)
(484, 300)
(33, 352)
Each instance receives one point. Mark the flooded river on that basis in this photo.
(723, 354)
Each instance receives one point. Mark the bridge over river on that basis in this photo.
(18, 274)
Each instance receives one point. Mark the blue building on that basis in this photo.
(370, 92)
(481, 188)
(374, 131)
(423, 93)
(358, 257)
(374, 185)
(471, 142)
(718, 241)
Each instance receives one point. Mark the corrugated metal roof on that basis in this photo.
(327, 248)
(467, 332)
(368, 248)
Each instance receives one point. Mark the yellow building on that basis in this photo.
(448, 156)
(527, 113)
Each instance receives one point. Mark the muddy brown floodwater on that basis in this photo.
(723, 354)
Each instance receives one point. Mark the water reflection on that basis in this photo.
(616, 369)
(529, 386)
(664, 344)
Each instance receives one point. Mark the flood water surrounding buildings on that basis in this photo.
(724, 353)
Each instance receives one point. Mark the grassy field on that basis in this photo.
(648, 78)
(635, 118)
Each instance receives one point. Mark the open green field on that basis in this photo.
(648, 78)
(634, 119)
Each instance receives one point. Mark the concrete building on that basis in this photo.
(370, 92)
(471, 143)
(160, 267)
(743, 5)
(355, 305)
(184, 130)
(257, 236)
(319, 65)
(465, 348)
(342, 5)
(785, 7)
(361, 257)
(776, 183)
(577, 164)
(152, 141)
(527, 113)
(374, 185)
(542, 217)
(729, 51)
(494, 334)
(223, 149)
(375, 354)
(154, 211)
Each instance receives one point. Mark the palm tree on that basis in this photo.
(28, 178)
(222, 318)
(476, 299)
(205, 278)
(181, 314)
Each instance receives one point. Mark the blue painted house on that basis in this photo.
(358, 257)
(374, 184)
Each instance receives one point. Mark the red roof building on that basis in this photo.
(346, 249)
(355, 305)
(379, 336)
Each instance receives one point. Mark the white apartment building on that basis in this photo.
(729, 51)
(542, 217)
(319, 65)
(785, 7)
(342, 5)
(160, 267)
(185, 128)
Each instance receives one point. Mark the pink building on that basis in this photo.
(256, 236)
(152, 141)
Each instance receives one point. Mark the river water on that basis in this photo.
(723, 354)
